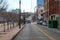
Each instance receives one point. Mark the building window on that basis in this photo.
(41, 10)
(41, 14)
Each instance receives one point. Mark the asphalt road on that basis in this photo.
(31, 32)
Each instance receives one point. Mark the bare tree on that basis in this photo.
(3, 5)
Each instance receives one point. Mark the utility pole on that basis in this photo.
(19, 22)
(31, 5)
(19, 6)
(35, 9)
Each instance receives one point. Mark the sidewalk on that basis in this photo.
(9, 35)
(6, 27)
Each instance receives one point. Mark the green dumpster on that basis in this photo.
(53, 24)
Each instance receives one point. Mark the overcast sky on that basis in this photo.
(13, 4)
(25, 5)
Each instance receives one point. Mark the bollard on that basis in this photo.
(4, 26)
(7, 25)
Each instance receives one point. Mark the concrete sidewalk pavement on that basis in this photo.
(9, 35)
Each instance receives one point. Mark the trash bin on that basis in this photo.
(53, 24)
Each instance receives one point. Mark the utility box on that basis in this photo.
(53, 24)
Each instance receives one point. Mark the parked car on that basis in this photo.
(40, 22)
(44, 23)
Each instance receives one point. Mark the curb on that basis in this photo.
(17, 33)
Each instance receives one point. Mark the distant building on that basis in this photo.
(40, 9)
(16, 11)
(40, 2)
(40, 12)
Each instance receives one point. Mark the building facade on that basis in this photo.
(39, 12)
(51, 9)
(40, 9)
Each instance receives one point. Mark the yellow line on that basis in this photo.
(46, 34)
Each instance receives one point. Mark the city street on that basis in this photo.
(33, 32)
(29, 19)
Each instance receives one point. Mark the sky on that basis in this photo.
(26, 5)
(13, 4)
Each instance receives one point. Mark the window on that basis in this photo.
(41, 14)
(41, 10)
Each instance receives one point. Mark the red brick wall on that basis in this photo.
(53, 7)
(45, 5)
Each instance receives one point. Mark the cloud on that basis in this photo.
(27, 4)
(13, 4)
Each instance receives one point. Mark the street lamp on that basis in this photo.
(35, 8)
(19, 22)
(31, 5)
(19, 6)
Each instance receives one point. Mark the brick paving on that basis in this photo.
(8, 35)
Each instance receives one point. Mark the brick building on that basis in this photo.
(51, 8)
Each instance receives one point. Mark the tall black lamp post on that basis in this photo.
(19, 22)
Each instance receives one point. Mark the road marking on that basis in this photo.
(46, 34)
